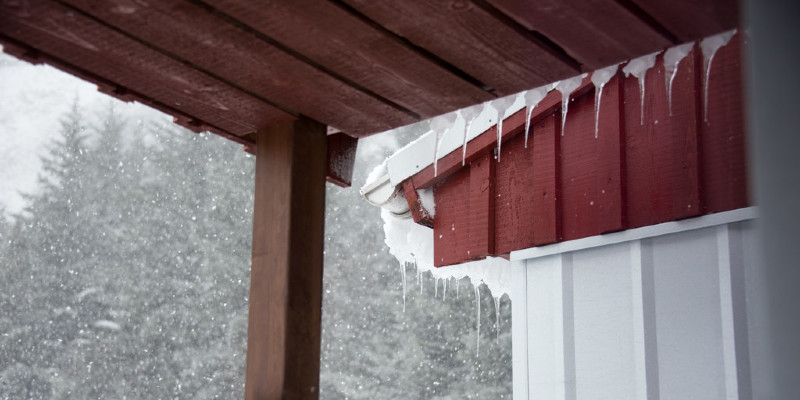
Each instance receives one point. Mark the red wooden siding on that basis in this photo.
(573, 185)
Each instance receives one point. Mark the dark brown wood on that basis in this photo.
(28, 54)
(74, 39)
(419, 213)
(473, 40)
(574, 25)
(690, 19)
(283, 336)
(341, 159)
(250, 64)
(323, 32)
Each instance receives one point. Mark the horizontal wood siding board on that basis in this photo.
(64, 34)
(482, 188)
(323, 32)
(544, 139)
(471, 39)
(575, 24)
(512, 126)
(578, 158)
(452, 221)
(724, 145)
(190, 32)
(514, 196)
(690, 19)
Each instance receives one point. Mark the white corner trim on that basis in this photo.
(666, 228)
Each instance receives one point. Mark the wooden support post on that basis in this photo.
(283, 335)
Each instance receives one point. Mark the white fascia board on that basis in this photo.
(666, 228)
(419, 154)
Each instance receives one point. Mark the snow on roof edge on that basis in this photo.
(418, 155)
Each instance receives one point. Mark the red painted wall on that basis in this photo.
(573, 185)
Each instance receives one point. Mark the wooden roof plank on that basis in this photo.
(57, 31)
(323, 32)
(578, 25)
(473, 40)
(28, 54)
(691, 20)
(191, 32)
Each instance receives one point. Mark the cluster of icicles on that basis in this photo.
(476, 288)
(441, 125)
(637, 67)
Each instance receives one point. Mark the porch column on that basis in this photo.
(283, 335)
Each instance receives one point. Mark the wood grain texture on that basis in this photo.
(419, 213)
(723, 138)
(452, 222)
(662, 154)
(692, 20)
(191, 33)
(323, 32)
(63, 34)
(578, 159)
(575, 24)
(482, 199)
(471, 39)
(24, 52)
(610, 159)
(514, 194)
(546, 180)
(341, 159)
(283, 337)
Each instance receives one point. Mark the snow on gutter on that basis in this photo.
(419, 154)
(413, 243)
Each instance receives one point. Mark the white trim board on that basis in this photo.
(666, 228)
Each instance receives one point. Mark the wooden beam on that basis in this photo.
(341, 159)
(283, 336)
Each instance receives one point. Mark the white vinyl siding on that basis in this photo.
(657, 312)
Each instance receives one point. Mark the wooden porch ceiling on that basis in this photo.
(361, 66)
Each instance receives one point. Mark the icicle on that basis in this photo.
(672, 58)
(501, 106)
(458, 283)
(638, 67)
(478, 307)
(444, 289)
(440, 125)
(468, 114)
(435, 287)
(497, 318)
(403, 267)
(532, 99)
(566, 87)
(599, 79)
(710, 45)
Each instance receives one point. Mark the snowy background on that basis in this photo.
(124, 261)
